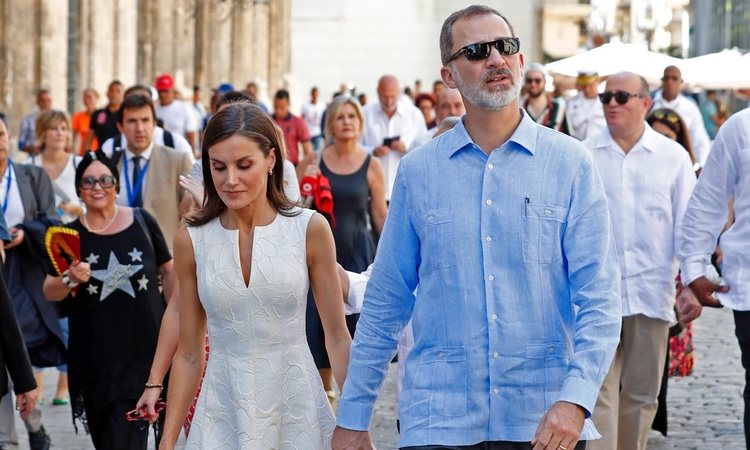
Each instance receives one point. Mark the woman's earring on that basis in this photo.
(270, 172)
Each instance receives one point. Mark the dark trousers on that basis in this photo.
(742, 331)
(111, 431)
(494, 445)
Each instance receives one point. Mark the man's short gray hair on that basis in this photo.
(446, 33)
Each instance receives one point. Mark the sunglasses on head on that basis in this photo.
(105, 181)
(663, 114)
(481, 50)
(621, 97)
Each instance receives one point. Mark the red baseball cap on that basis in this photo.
(164, 82)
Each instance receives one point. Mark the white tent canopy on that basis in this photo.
(615, 57)
(726, 69)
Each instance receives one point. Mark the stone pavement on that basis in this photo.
(705, 409)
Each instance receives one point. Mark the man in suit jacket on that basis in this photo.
(28, 204)
(149, 173)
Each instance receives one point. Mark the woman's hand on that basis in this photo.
(193, 187)
(146, 404)
(312, 170)
(80, 272)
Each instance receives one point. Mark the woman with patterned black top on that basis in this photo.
(116, 310)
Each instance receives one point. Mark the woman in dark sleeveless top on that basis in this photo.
(358, 190)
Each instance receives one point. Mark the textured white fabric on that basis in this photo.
(261, 389)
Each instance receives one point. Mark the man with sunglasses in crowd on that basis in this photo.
(544, 110)
(648, 179)
(670, 96)
(503, 224)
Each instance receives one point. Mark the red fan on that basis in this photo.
(63, 246)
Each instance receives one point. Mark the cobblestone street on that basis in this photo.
(705, 409)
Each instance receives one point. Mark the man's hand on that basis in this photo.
(398, 145)
(689, 306)
(344, 439)
(26, 402)
(381, 151)
(704, 289)
(560, 427)
(18, 236)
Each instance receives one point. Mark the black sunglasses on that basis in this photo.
(106, 182)
(481, 50)
(621, 97)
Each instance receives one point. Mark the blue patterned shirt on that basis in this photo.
(518, 303)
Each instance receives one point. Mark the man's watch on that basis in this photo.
(67, 281)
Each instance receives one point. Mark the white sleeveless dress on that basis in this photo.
(261, 389)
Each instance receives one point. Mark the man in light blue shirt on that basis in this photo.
(504, 225)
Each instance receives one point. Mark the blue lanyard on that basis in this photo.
(135, 190)
(7, 187)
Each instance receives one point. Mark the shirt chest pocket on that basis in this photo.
(543, 226)
(437, 243)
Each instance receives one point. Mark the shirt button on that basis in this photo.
(491, 277)
(495, 355)
(493, 317)
(488, 202)
(490, 166)
(442, 354)
(430, 218)
(548, 212)
(488, 238)
(496, 391)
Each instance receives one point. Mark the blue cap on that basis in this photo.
(223, 88)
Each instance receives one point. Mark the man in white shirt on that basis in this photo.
(725, 176)
(178, 117)
(312, 113)
(669, 96)
(585, 112)
(391, 128)
(648, 180)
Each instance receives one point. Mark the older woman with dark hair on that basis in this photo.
(115, 307)
(244, 264)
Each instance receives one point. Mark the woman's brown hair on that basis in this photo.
(247, 120)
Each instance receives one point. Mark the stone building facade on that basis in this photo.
(68, 45)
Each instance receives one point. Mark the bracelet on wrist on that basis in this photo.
(67, 281)
(154, 385)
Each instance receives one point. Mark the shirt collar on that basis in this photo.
(649, 140)
(524, 135)
(146, 154)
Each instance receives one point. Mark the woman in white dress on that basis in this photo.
(245, 261)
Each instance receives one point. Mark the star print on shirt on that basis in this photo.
(116, 276)
(135, 255)
(142, 283)
(92, 258)
(92, 289)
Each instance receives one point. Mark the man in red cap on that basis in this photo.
(176, 115)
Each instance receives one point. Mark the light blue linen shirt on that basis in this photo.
(518, 303)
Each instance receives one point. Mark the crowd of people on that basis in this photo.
(535, 262)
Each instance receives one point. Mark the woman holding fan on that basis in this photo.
(115, 307)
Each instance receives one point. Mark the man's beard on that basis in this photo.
(494, 100)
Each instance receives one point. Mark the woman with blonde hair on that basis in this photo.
(53, 137)
(358, 190)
